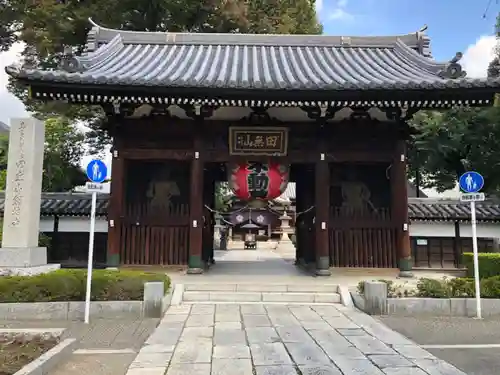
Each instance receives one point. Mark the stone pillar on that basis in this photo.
(399, 209)
(322, 206)
(195, 263)
(20, 253)
(375, 297)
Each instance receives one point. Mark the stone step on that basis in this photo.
(262, 297)
(271, 288)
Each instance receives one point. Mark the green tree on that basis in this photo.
(64, 149)
(494, 66)
(448, 143)
(48, 26)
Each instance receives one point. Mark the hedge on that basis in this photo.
(458, 288)
(489, 264)
(69, 285)
(461, 287)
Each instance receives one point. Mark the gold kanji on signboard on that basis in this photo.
(258, 141)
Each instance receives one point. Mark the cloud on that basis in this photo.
(340, 14)
(334, 10)
(478, 56)
(10, 106)
(319, 5)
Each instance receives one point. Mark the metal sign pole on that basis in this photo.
(476, 259)
(90, 258)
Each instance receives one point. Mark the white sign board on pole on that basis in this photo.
(96, 172)
(470, 184)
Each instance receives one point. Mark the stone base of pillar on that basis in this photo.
(113, 260)
(195, 265)
(25, 261)
(405, 267)
(323, 266)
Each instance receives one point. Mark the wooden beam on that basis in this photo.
(157, 154)
(298, 157)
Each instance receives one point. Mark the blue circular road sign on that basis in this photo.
(471, 182)
(97, 171)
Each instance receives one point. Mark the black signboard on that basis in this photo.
(258, 141)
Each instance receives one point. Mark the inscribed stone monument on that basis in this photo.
(20, 253)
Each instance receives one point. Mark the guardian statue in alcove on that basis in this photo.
(161, 190)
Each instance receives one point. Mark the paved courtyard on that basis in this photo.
(257, 339)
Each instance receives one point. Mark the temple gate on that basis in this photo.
(332, 109)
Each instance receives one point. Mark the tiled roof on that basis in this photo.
(67, 204)
(450, 209)
(78, 204)
(245, 61)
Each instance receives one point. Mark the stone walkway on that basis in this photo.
(257, 339)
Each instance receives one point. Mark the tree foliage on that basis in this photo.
(449, 143)
(48, 26)
(64, 149)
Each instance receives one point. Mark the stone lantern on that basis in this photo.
(285, 228)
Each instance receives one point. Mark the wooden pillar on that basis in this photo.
(195, 262)
(399, 209)
(212, 218)
(457, 245)
(308, 200)
(299, 221)
(54, 243)
(115, 209)
(322, 207)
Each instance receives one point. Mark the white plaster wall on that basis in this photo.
(73, 224)
(483, 230)
(447, 229)
(432, 229)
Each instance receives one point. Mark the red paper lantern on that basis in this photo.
(253, 180)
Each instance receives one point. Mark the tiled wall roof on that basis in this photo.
(427, 209)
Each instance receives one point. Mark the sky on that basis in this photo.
(453, 26)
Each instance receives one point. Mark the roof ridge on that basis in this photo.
(99, 35)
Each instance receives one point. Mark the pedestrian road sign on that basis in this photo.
(471, 182)
(472, 197)
(97, 171)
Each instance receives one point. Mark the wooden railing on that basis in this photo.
(365, 239)
(150, 235)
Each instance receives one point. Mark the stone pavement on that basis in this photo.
(260, 339)
(469, 344)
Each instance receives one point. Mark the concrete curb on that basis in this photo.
(44, 364)
(30, 333)
(460, 307)
(345, 296)
(177, 295)
(75, 310)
